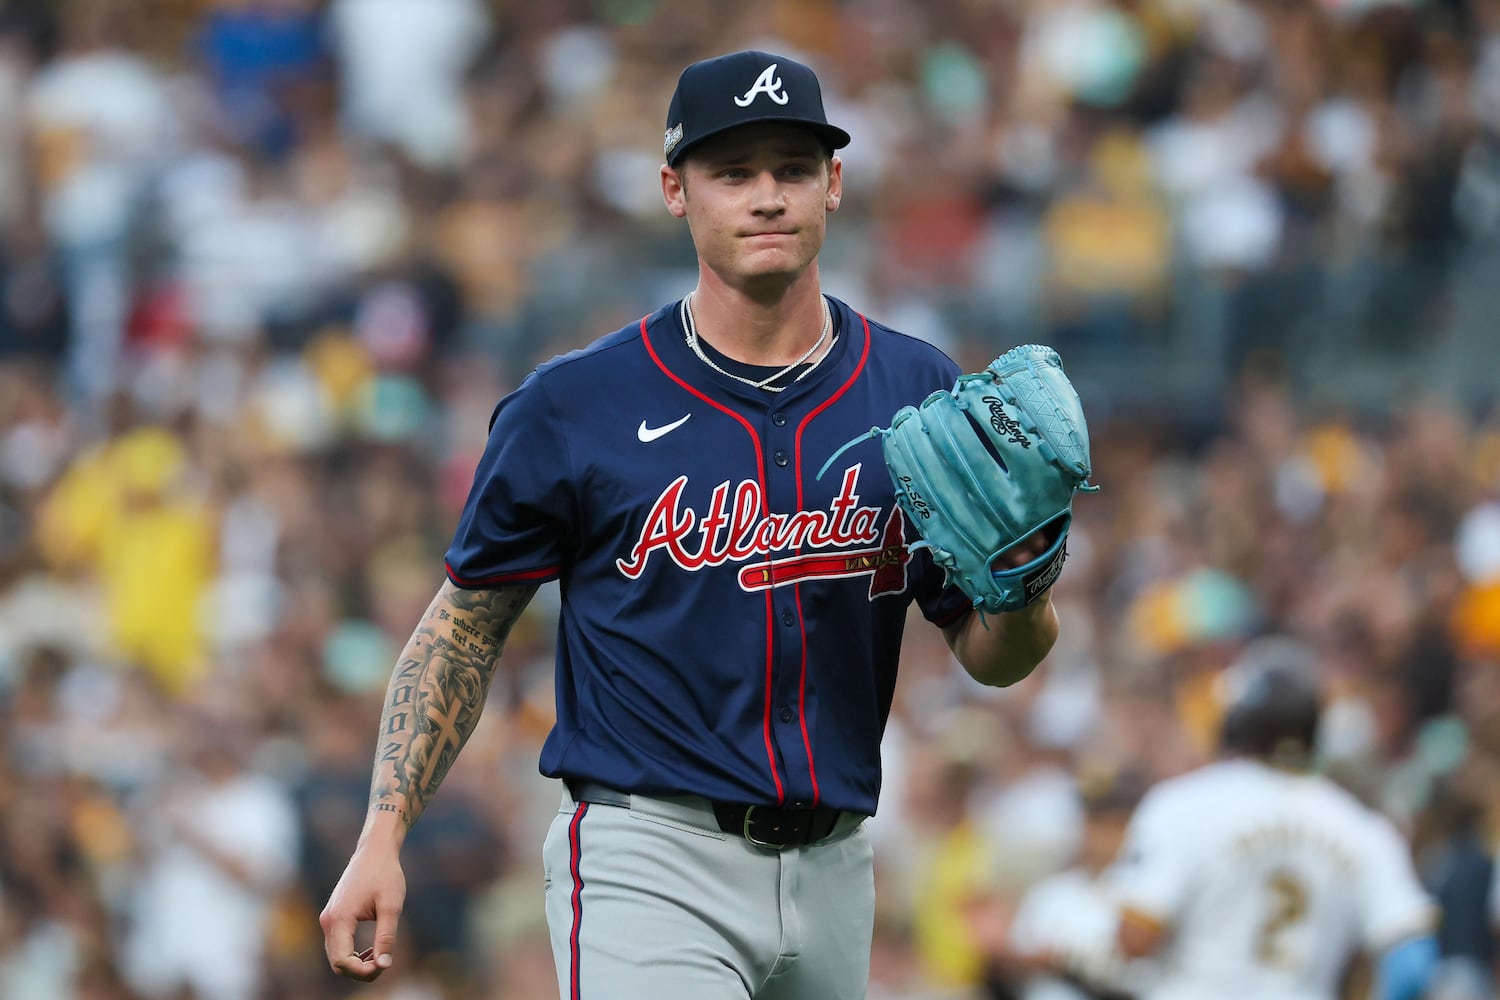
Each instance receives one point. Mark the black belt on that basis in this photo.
(772, 826)
(763, 826)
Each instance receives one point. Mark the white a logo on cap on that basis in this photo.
(767, 83)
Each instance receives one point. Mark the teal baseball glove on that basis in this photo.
(986, 472)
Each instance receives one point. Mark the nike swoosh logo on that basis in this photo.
(652, 433)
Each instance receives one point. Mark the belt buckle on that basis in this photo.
(750, 811)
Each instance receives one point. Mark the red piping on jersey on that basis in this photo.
(760, 474)
(812, 770)
(575, 855)
(524, 576)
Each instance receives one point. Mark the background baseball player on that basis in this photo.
(1058, 942)
(730, 619)
(1253, 877)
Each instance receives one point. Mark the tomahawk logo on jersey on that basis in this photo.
(670, 499)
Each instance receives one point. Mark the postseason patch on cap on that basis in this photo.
(673, 137)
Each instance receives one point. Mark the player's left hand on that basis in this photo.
(986, 473)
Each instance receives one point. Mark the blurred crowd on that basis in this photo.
(266, 265)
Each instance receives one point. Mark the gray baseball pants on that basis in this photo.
(652, 900)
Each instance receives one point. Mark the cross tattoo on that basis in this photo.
(444, 732)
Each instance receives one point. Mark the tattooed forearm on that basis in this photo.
(437, 692)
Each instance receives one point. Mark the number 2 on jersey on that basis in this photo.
(1287, 905)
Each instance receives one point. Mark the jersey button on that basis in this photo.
(778, 418)
(781, 457)
(787, 618)
(786, 714)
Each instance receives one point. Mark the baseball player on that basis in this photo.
(730, 621)
(1253, 877)
(1060, 943)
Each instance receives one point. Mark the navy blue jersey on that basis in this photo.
(730, 623)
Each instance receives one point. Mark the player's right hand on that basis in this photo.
(373, 887)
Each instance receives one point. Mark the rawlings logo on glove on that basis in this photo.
(1006, 424)
(968, 477)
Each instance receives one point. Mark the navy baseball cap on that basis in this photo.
(719, 94)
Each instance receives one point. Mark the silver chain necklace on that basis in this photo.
(690, 327)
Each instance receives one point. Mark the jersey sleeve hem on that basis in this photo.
(1410, 930)
(543, 574)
